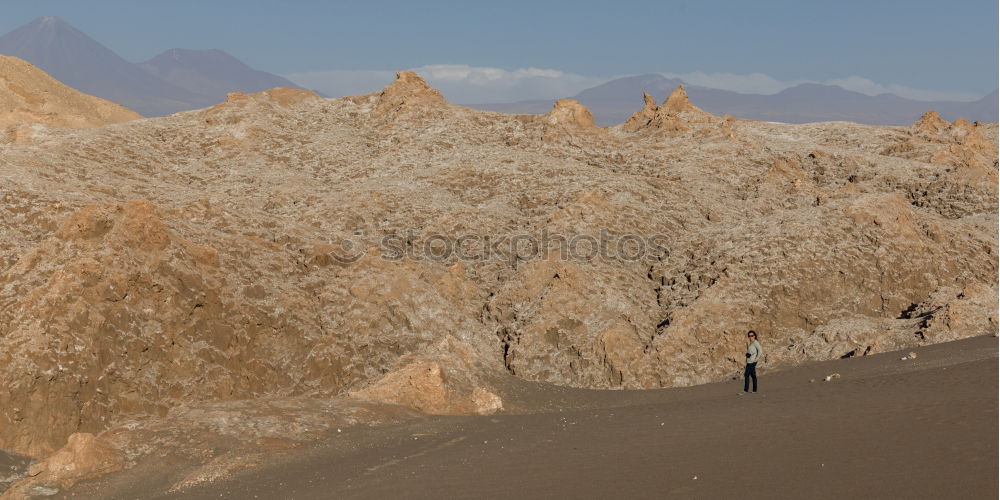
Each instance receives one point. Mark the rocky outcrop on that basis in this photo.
(115, 314)
(567, 114)
(109, 275)
(443, 379)
(678, 103)
(269, 255)
(573, 324)
(643, 117)
(931, 123)
(844, 264)
(85, 456)
(958, 144)
(674, 115)
(966, 154)
(28, 95)
(408, 92)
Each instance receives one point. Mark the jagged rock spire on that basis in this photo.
(674, 114)
(931, 122)
(408, 90)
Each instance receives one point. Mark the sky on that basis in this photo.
(497, 51)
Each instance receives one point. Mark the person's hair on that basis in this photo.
(751, 332)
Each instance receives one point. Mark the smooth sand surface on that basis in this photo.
(920, 428)
(12, 468)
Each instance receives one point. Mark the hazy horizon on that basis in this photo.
(520, 51)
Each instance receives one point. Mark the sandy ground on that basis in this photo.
(920, 428)
(12, 468)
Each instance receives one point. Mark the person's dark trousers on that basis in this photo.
(750, 372)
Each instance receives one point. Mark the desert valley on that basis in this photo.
(190, 299)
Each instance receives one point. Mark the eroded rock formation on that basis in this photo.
(674, 115)
(395, 248)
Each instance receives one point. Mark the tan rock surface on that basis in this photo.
(28, 95)
(408, 92)
(673, 116)
(282, 245)
(84, 456)
(443, 379)
(569, 115)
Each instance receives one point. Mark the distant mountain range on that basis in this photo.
(173, 81)
(182, 79)
(616, 100)
(213, 73)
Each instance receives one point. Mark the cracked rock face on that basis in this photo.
(396, 248)
(673, 116)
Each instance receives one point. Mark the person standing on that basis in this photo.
(753, 354)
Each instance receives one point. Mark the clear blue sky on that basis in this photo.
(949, 46)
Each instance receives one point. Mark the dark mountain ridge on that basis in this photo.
(614, 101)
(211, 72)
(176, 80)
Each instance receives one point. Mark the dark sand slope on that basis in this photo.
(920, 428)
(12, 468)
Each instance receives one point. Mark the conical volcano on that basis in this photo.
(79, 61)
